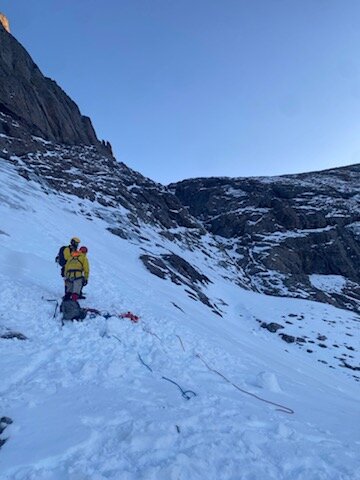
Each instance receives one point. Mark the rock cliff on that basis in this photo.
(290, 234)
(36, 101)
(4, 22)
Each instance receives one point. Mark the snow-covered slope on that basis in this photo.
(88, 400)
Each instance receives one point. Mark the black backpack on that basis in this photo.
(60, 256)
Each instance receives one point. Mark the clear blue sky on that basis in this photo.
(186, 88)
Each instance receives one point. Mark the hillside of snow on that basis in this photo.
(95, 400)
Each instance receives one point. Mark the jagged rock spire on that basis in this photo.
(5, 22)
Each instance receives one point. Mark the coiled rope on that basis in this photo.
(187, 394)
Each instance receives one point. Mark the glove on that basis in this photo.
(84, 282)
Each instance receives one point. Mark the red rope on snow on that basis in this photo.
(152, 333)
(135, 319)
(131, 316)
(281, 408)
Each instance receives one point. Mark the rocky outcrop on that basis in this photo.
(180, 272)
(44, 135)
(283, 230)
(10, 335)
(5, 22)
(36, 101)
(4, 423)
(124, 198)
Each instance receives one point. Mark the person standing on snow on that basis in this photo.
(65, 254)
(76, 272)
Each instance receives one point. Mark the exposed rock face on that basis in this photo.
(4, 22)
(36, 101)
(44, 135)
(4, 423)
(91, 174)
(283, 230)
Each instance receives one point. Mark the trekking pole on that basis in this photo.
(56, 306)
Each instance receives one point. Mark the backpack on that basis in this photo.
(71, 310)
(60, 256)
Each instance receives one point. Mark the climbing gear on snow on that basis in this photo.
(151, 333)
(131, 316)
(145, 364)
(187, 394)
(181, 343)
(71, 310)
(281, 408)
(56, 304)
(106, 315)
(184, 393)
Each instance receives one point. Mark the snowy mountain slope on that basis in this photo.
(97, 400)
(83, 404)
(283, 230)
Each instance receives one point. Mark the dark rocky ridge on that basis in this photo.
(44, 135)
(94, 175)
(294, 225)
(36, 101)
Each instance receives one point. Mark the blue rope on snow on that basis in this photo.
(187, 394)
(184, 393)
(145, 364)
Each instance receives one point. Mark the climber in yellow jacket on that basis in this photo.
(76, 272)
(65, 253)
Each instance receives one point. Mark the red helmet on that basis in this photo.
(83, 249)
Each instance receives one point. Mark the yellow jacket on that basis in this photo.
(77, 266)
(67, 253)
